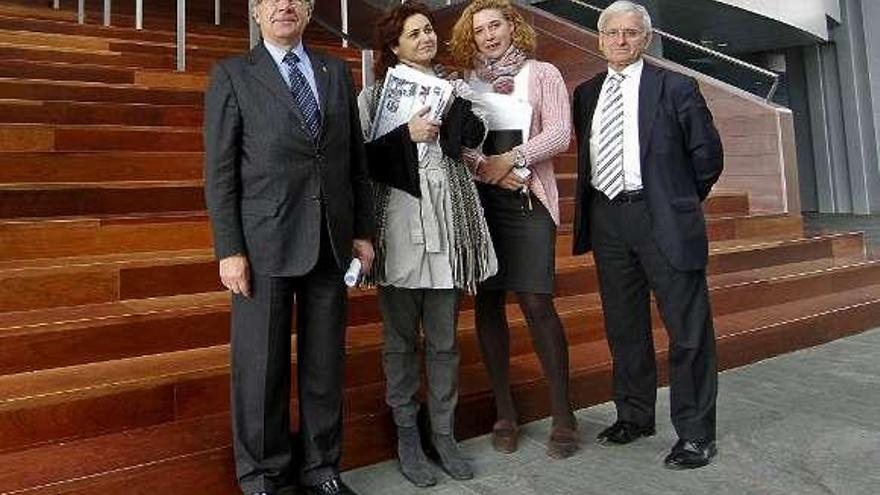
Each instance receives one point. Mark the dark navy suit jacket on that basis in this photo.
(681, 159)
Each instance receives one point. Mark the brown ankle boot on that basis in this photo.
(505, 436)
(564, 442)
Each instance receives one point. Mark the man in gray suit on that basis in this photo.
(290, 205)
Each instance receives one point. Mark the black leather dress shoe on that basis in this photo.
(691, 454)
(332, 486)
(624, 432)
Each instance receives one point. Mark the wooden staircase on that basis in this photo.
(113, 328)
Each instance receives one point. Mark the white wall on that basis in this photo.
(808, 15)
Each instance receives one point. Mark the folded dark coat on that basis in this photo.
(393, 158)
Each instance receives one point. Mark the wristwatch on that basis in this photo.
(519, 165)
(519, 158)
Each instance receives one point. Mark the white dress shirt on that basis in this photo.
(304, 65)
(632, 172)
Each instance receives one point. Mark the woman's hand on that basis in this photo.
(512, 182)
(422, 129)
(496, 168)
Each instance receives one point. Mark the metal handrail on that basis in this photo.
(703, 49)
(181, 35)
(343, 20)
(347, 38)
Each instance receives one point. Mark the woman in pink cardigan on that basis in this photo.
(518, 190)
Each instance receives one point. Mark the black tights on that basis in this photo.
(548, 339)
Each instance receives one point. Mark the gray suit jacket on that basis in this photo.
(266, 181)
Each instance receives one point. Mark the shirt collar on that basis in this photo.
(631, 72)
(278, 53)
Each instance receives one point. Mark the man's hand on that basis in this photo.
(496, 168)
(421, 129)
(235, 274)
(512, 182)
(363, 250)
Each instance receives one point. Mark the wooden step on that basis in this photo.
(110, 166)
(29, 10)
(17, 23)
(718, 203)
(121, 114)
(37, 137)
(99, 198)
(112, 326)
(150, 275)
(26, 38)
(108, 42)
(200, 447)
(190, 383)
(24, 239)
(103, 58)
(718, 227)
(41, 238)
(110, 198)
(62, 71)
(742, 338)
(42, 90)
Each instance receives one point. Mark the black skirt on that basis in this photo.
(524, 240)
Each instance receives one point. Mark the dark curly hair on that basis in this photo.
(388, 31)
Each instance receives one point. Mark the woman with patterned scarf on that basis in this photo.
(432, 242)
(519, 195)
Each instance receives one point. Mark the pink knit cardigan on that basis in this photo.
(550, 133)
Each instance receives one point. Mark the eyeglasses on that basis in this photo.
(626, 33)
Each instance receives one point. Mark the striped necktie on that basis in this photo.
(302, 93)
(609, 168)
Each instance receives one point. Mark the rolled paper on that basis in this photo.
(354, 272)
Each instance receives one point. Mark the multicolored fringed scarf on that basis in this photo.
(500, 72)
(472, 256)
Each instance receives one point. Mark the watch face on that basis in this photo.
(522, 172)
(519, 160)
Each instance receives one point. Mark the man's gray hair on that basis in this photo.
(254, 3)
(623, 7)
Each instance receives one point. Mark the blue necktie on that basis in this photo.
(302, 93)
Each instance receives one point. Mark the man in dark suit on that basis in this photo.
(290, 205)
(648, 155)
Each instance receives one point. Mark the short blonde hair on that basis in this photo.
(462, 45)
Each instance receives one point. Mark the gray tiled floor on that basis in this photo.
(804, 423)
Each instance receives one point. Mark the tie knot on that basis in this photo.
(291, 58)
(616, 79)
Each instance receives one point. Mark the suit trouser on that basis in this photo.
(261, 376)
(630, 265)
(402, 312)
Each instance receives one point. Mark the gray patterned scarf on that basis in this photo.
(500, 72)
